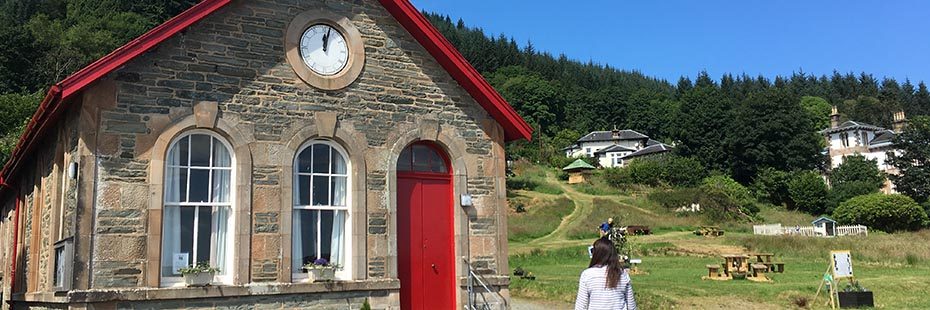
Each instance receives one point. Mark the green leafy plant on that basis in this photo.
(322, 263)
(887, 213)
(201, 267)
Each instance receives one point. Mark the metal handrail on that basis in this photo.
(472, 278)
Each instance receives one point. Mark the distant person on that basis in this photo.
(606, 226)
(604, 285)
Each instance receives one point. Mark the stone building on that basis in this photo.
(259, 136)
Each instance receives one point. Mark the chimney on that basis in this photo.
(899, 122)
(834, 118)
(615, 134)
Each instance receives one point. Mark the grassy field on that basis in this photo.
(894, 266)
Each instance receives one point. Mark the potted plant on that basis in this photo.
(321, 270)
(200, 274)
(855, 296)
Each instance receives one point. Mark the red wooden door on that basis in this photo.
(426, 264)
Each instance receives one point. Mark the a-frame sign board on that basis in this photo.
(840, 268)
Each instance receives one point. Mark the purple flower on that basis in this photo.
(321, 262)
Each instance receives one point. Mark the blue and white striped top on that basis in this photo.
(593, 293)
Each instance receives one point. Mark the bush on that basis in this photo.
(659, 171)
(808, 192)
(858, 169)
(844, 191)
(771, 185)
(887, 213)
(737, 193)
(676, 198)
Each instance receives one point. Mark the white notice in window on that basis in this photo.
(180, 261)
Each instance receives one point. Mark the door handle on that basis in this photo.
(434, 268)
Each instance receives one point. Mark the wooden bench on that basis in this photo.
(778, 267)
(713, 271)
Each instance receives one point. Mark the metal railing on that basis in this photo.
(477, 300)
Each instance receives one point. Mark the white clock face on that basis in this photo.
(324, 49)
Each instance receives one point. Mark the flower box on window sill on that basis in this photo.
(320, 274)
(199, 278)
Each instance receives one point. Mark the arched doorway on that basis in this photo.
(425, 240)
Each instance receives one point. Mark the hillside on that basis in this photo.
(558, 221)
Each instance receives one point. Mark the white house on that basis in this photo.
(857, 138)
(615, 148)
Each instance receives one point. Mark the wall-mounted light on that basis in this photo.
(466, 201)
(72, 171)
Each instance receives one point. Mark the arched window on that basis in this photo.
(321, 208)
(421, 158)
(198, 204)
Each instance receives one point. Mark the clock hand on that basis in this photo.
(326, 40)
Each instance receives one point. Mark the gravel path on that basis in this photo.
(517, 303)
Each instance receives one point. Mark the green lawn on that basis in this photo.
(676, 281)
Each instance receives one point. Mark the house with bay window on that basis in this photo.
(857, 138)
(257, 137)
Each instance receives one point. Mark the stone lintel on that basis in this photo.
(429, 129)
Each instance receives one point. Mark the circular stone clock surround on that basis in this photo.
(353, 39)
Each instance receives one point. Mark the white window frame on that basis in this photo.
(229, 269)
(298, 276)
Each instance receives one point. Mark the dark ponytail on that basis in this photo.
(604, 254)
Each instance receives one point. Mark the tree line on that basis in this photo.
(734, 124)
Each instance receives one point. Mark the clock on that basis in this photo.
(325, 50)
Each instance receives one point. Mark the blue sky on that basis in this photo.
(668, 39)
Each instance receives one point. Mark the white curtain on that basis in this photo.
(297, 252)
(337, 252)
(220, 193)
(171, 230)
(220, 227)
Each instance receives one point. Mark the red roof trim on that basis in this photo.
(459, 68)
(59, 94)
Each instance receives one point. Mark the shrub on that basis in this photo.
(887, 213)
(844, 191)
(858, 169)
(676, 198)
(771, 185)
(732, 190)
(658, 171)
(808, 192)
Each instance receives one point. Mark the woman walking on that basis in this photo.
(604, 285)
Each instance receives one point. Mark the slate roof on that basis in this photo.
(578, 165)
(614, 148)
(649, 150)
(882, 137)
(625, 134)
(852, 125)
(822, 219)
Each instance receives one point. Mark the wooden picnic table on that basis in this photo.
(736, 263)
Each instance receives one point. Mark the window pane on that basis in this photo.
(200, 185)
(436, 164)
(338, 188)
(175, 186)
(320, 191)
(221, 156)
(204, 233)
(320, 158)
(220, 186)
(303, 190)
(183, 150)
(220, 238)
(404, 161)
(59, 276)
(303, 160)
(200, 150)
(421, 155)
(177, 239)
(304, 243)
(182, 184)
(338, 163)
(326, 233)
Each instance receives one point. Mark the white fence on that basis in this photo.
(809, 231)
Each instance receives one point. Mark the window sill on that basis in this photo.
(253, 289)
